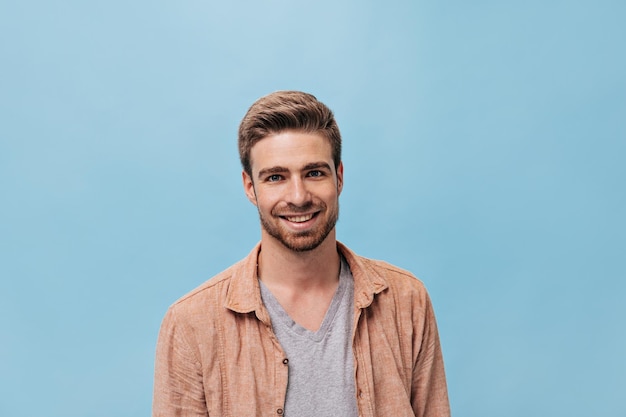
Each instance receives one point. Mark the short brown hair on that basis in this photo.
(286, 110)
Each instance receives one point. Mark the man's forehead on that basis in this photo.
(291, 150)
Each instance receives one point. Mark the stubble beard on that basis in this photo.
(301, 241)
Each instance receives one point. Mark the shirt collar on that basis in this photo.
(244, 295)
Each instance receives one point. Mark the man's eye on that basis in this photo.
(316, 173)
(273, 178)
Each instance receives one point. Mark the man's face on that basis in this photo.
(295, 187)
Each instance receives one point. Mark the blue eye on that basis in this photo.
(273, 178)
(316, 174)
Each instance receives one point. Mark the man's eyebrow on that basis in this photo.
(272, 170)
(316, 165)
(280, 170)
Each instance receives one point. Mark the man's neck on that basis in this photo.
(302, 282)
(279, 266)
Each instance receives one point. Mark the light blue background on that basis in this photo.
(484, 147)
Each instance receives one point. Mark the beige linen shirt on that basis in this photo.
(218, 356)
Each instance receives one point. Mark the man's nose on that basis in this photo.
(298, 192)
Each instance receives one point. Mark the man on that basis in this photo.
(302, 326)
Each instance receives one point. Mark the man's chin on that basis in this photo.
(298, 241)
(301, 243)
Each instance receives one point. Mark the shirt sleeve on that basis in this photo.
(178, 384)
(429, 395)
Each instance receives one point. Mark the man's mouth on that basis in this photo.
(300, 218)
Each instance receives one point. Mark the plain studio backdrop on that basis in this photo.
(484, 147)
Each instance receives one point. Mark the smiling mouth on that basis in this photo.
(301, 218)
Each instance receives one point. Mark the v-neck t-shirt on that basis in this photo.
(321, 364)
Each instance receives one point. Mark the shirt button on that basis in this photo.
(285, 361)
(279, 411)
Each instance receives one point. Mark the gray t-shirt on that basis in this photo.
(321, 364)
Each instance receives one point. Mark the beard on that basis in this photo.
(306, 240)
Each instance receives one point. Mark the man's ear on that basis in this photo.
(339, 178)
(248, 187)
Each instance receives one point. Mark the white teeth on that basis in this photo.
(299, 219)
